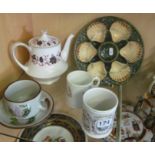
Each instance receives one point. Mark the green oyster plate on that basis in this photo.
(135, 36)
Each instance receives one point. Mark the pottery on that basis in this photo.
(119, 71)
(97, 32)
(57, 126)
(132, 52)
(53, 134)
(47, 60)
(110, 39)
(132, 125)
(133, 129)
(78, 82)
(97, 69)
(99, 107)
(120, 30)
(23, 98)
(152, 87)
(9, 120)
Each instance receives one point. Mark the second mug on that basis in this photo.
(77, 83)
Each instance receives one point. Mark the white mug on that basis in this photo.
(99, 107)
(24, 98)
(77, 83)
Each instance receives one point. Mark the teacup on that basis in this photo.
(23, 99)
(77, 83)
(99, 107)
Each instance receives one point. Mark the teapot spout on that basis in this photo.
(65, 51)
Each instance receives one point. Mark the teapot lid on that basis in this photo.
(44, 40)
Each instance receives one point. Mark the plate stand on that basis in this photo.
(119, 115)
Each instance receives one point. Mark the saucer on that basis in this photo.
(144, 135)
(58, 128)
(52, 134)
(132, 128)
(6, 117)
(147, 136)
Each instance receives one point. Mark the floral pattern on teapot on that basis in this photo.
(44, 60)
(44, 41)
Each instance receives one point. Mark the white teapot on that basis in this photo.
(47, 62)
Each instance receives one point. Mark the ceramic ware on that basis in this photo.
(131, 52)
(86, 52)
(119, 71)
(133, 129)
(110, 35)
(53, 134)
(8, 120)
(97, 32)
(145, 109)
(24, 98)
(99, 106)
(148, 136)
(46, 61)
(97, 69)
(77, 83)
(57, 126)
(132, 126)
(120, 30)
(152, 87)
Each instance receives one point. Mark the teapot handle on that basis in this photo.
(13, 51)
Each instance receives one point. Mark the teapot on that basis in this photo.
(46, 61)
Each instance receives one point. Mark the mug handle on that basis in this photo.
(13, 53)
(96, 81)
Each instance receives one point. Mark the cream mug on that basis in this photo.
(24, 98)
(77, 83)
(99, 107)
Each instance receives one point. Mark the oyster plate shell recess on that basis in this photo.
(113, 41)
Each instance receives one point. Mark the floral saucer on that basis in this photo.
(7, 120)
(58, 128)
(132, 127)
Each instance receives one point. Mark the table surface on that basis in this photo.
(58, 92)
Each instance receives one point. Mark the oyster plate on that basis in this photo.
(108, 49)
